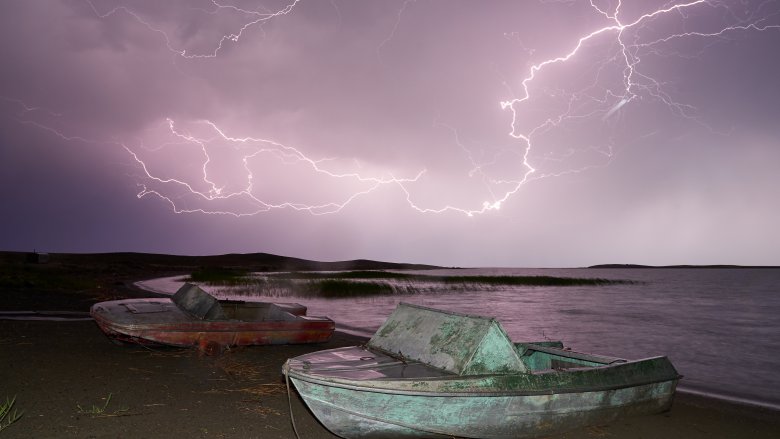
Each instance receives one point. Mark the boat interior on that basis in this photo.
(194, 301)
(256, 312)
(547, 355)
(456, 344)
(363, 363)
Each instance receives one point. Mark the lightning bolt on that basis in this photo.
(203, 189)
(255, 18)
(632, 89)
(397, 23)
(254, 148)
(600, 102)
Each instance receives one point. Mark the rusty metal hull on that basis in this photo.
(431, 374)
(160, 321)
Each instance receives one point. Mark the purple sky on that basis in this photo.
(470, 133)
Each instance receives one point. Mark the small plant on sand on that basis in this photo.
(8, 415)
(97, 410)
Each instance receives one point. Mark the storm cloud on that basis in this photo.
(375, 129)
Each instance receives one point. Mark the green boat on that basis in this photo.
(434, 374)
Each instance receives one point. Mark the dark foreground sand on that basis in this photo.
(62, 374)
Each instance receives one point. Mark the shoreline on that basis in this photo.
(69, 380)
(60, 370)
(164, 287)
(735, 401)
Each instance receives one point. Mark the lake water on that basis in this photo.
(720, 327)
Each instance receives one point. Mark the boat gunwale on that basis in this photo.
(467, 392)
(310, 326)
(568, 353)
(192, 324)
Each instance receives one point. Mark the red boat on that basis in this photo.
(194, 318)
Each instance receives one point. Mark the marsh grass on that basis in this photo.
(360, 274)
(338, 288)
(484, 280)
(219, 275)
(8, 414)
(535, 281)
(345, 284)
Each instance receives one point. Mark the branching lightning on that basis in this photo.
(628, 57)
(203, 192)
(284, 155)
(255, 18)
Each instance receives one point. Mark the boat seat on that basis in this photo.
(256, 312)
(198, 303)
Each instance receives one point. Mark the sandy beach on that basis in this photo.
(69, 380)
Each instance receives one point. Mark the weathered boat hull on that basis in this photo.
(159, 321)
(224, 335)
(433, 374)
(360, 413)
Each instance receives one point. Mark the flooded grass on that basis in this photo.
(537, 281)
(331, 288)
(488, 280)
(485, 280)
(362, 274)
(345, 284)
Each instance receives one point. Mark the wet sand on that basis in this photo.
(63, 373)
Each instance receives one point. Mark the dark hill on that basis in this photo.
(76, 280)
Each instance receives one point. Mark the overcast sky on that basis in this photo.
(547, 133)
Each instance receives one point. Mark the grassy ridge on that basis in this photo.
(94, 273)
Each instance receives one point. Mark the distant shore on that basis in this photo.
(679, 266)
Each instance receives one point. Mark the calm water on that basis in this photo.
(720, 327)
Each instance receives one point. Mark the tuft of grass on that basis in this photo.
(8, 414)
(97, 410)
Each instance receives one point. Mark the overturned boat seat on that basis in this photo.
(198, 303)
